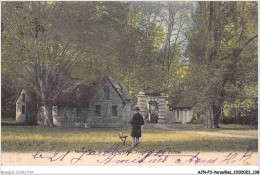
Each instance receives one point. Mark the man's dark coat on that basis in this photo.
(136, 123)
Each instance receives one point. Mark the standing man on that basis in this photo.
(136, 123)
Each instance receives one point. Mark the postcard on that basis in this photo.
(168, 86)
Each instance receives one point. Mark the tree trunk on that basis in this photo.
(48, 119)
(217, 113)
(208, 119)
(211, 119)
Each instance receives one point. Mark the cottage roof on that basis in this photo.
(31, 94)
(71, 82)
(185, 100)
(120, 88)
(81, 93)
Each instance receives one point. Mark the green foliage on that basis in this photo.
(157, 36)
(249, 120)
(223, 54)
(195, 120)
(78, 39)
(175, 19)
(8, 96)
(177, 81)
(241, 115)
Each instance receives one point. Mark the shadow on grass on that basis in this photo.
(8, 124)
(5, 123)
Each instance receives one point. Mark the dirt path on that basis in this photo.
(221, 133)
(242, 134)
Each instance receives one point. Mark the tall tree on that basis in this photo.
(48, 84)
(76, 39)
(175, 18)
(36, 33)
(223, 53)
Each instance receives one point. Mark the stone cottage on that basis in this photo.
(97, 101)
(181, 110)
(152, 106)
(26, 108)
(102, 101)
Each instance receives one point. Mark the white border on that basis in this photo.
(129, 169)
(122, 169)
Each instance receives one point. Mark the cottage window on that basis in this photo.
(23, 109)
(114, 111)
(98, 111)
(178, 114)
(106, 92)
(23, 97)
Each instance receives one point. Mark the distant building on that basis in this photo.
(26, 108)
(182, 108)
(152, 106)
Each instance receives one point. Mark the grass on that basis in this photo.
(35, 138)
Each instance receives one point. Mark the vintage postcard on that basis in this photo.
(152, 84)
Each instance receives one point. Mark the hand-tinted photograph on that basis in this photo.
(129, 83)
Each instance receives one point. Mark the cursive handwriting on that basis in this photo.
(147, 157)
(53, 157)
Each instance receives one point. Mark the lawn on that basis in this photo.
(34, 138)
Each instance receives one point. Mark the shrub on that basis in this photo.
(249, 120)
(227, 120)
(196, 120)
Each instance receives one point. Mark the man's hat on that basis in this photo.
(136, 108)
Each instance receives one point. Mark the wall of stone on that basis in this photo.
(56, 118)
(40, 117)
(30, 113)
(82, 114)
(85, 116)
(127, 113)
(106, 118)
(143, 103)
(20, 118)
(162, 108)
(70, 116)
